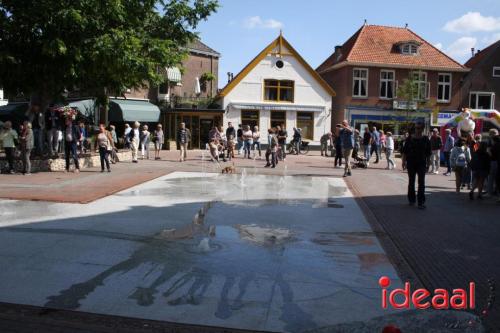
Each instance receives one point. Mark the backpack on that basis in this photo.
(461, 159)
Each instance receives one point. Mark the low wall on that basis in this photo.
(59, 164)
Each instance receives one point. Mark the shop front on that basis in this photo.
(394, 121)
(199, 122)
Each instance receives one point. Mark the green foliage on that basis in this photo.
(99, 46)
(207, 77)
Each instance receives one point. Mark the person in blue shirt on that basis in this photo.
(347, 142)
(375, 144)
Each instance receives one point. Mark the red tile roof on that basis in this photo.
(378, 45)
(480, 55)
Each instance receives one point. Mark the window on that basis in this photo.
(409, 48)
(278, 118)
(250, 118)
(305, 121)
(444, 87)
(278, 90)
(360, 82)
(387, 84)
(163, 88)
(496, 71)
(422, 87)
(481, 100)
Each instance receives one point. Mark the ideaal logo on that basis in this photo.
(458, 299)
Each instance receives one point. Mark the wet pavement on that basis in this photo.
(249, 251)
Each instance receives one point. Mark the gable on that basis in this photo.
(279, 47)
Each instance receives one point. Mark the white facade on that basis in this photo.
(310, 96)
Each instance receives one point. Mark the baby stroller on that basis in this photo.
(359, 162)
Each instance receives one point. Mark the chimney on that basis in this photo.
(228, 77)
(337, 52)
(472, 51)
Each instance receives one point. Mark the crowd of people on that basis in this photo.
(472, 160)
(246, 141)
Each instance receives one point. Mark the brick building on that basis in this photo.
(368, 68)
(482, 85)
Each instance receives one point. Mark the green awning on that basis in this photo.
(121, 110)
(86, 107)
(15, 112)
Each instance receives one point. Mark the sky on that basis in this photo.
(242, 28)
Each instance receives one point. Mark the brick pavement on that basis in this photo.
(451, 243)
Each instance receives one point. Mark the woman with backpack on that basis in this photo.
(480, 166)
(459, 159)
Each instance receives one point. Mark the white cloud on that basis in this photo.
(438, 46)
(491, 39)
(461, 47)
(473, 21)
(257, 22)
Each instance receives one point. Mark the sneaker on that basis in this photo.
(267, 165)
(421, 206)
(109, 170)
(274, 166)
(12, 172)
(27, 174)
(349, 173)
(436, 172)
(135, 161)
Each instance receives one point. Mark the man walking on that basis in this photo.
(347, 142)
(183, 138)
(282, 135)
(449, 143)
(72, 136)
(367, 142)
(375, 143)
(416, 150)
(436, 144)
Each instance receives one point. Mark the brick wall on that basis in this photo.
(342, 81)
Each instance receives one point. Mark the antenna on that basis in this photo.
(406, 25)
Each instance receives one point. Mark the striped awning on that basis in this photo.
(277, 107)
(173, 74)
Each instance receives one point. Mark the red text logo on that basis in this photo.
(398, 298)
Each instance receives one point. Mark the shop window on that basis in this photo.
(278, 118)
(278, 90)
(305, 121)
(250, 118)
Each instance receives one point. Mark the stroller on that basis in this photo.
(359, 162)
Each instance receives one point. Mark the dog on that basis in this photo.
(229, 169)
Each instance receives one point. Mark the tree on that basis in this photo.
(413, 95)
(102, 47)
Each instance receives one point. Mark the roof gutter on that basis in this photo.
(386, 65)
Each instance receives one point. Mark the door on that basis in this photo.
(205, 127)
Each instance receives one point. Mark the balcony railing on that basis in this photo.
(190, 102)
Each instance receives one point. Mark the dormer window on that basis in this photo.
(409, 47)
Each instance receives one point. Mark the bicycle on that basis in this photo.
(303, 149)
